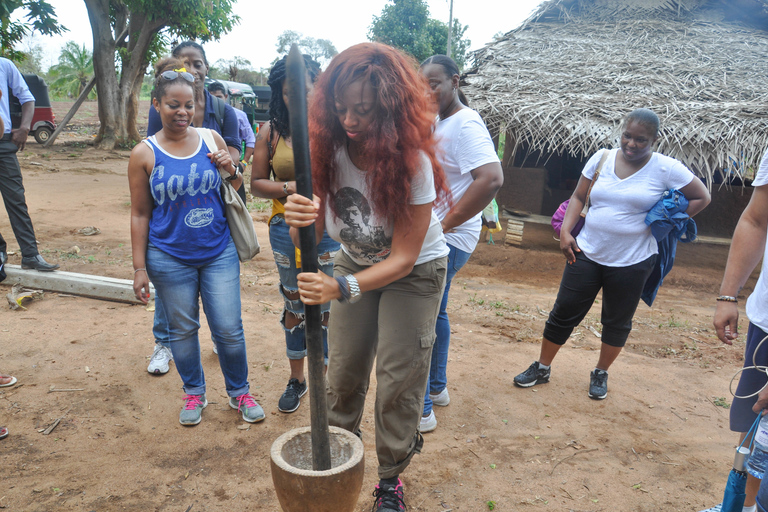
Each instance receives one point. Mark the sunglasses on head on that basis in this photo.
(173, 75)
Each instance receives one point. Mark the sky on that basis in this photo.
(343, 22)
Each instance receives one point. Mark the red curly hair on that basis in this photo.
(400, 133)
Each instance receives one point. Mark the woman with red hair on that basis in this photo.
(376, 177)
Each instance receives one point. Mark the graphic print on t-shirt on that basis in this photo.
(366, 241)
(184, 190)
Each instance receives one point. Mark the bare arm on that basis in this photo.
(488, 179)
(261, 185)
(407, 239)
(139, 169)
(697, 195)
(746, 251)
(567, 242)
(19, 135)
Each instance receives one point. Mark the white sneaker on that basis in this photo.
(215, 350)
(428, 423)
(716, 508)
(158, 363)
(442, 399)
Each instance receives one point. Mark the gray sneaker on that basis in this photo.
(598, 384)
(252, 412)
(532, 376)
(192, 413)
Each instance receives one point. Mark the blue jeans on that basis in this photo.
(285, 258)
(437, 376)
(217, 283)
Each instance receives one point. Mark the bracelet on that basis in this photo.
(343, 288)
(139, 269)
(285, 188)
(726, 298)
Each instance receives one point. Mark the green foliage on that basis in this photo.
(73, 72)
(406, 24)
(321, 50)
(40, 17)
(720, 401)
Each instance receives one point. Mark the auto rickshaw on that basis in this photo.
(43, 121)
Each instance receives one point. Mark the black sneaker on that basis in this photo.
(532, 376)
(389, 498)
(291, 399)
(598, 384)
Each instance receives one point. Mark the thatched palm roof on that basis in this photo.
(562, 82)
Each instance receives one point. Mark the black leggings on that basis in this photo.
(582, 280)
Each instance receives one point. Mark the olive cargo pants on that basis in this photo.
(395, 325)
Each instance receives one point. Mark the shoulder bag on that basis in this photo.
(238, 218)
(559, 216)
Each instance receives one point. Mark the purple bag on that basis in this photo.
(559, 215)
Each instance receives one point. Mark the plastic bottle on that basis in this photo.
(758, 461)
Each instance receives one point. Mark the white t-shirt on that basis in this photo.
(615, 233)
(464, 144)
(757, 312)
(363, 235)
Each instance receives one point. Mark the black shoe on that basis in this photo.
(291, 399)
(532, 376)
(37, 263)
(598, 384)
(389, 498)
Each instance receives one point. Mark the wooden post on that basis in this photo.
(297, 94)
(72, 112)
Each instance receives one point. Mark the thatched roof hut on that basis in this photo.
(561, 82)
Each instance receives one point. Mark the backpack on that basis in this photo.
(219, 109)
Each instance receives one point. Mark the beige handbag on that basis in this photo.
(238, 217)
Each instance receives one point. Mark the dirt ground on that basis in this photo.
(659, 442)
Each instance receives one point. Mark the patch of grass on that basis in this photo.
(674, 322)
(720, 401)
(259, 205)
(491, 504)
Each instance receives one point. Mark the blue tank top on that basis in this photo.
(188, 219)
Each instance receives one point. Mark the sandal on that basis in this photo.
(3, 432)
(10, 381)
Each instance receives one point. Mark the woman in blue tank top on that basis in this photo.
(181, 242)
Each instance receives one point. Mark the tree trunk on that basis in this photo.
(118, 96)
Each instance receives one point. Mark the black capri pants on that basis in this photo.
(582, 280)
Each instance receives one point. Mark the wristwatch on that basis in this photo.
(233, 177)
(285, 188)
(354, 289)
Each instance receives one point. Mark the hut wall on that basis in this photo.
(721, 216)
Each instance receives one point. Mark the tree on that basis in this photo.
(321, 50)
(231, 69)
(405, 24)
(41, 17)
(74, 70)
(438, 36)
(125, 33)
(33, 56)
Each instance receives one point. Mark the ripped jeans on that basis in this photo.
(285, 257)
